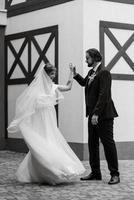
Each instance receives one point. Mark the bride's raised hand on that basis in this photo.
(68, 85)
(71, 67)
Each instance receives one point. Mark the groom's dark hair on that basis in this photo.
(95, 54)
(49, 68)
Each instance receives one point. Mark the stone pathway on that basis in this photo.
(11, 189)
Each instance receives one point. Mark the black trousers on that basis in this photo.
(104, 132)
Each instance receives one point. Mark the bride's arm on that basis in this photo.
(68, 86)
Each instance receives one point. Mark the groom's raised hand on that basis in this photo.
(71, 67)
(74, 71)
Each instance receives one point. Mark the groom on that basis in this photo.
(100, 111)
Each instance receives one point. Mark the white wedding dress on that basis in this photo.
(50, 159)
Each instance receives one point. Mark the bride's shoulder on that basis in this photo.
(55, 87)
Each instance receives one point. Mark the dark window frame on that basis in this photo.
(29, 74)
(30, 5)
(122, 1)
(105, 29)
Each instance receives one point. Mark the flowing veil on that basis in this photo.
(37, 94)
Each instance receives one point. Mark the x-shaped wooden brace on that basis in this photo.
(42, 52)
(121, 50)
(39, 50)
(8, 3)
(17, 58)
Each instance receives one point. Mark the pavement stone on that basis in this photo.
(11, 189)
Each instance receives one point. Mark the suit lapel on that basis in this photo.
(99, 69)
(89, 76)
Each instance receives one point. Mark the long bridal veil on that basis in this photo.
(50, 159)
(37, 94)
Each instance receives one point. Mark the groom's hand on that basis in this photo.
(74, 71)
(94, 120)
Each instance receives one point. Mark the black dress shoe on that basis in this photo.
(114, 180)
(91, 177)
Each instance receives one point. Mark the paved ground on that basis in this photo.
(11, 189)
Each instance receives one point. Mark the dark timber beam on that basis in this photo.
(30, 5)
(122, 1)
(2, 88)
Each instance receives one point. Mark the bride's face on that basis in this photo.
(52, 75)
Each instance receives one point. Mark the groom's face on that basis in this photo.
(89, 60)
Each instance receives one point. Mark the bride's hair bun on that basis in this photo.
(49, 68)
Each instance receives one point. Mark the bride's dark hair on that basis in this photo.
(49, 68)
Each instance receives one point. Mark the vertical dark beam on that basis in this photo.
(9, 3)
(2, 88)
(102, 43)
(29, 56)
(6, 4)
(30, 78)
(56, 51)
(56, 63)
(6, 88)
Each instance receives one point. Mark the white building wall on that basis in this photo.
(122, 91)
(3, 13)
(68, 17)
(78, 23)
(2, 4)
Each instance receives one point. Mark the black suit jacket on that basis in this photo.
(98, 94)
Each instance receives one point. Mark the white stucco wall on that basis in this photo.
(3, 13)
(68, 17)
(78, 23)
(94, 11)
(3, 17)
(2, 4)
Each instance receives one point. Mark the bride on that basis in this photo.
(50, 159)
